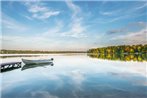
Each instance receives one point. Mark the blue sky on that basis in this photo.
(72, 25)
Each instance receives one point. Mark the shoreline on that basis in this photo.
(34, 55)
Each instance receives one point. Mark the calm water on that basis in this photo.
(75, 76)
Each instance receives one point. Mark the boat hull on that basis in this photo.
(25, 61)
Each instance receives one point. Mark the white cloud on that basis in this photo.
(53, 31)
(73, 7)
(112, 19)
(9, 23)
(129, 27)
(120, 14)
(133, 37)
(39, 11)
(28, 17)
(77, 30)
(111, 13)
(37, 8)
(45, 15)
(141, 6)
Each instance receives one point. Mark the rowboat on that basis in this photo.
(44, 61)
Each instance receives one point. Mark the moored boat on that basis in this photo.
(44, 61)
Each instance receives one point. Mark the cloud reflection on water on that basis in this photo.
(77, 76)
(42, 94)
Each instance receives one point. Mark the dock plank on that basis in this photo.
(9, 63)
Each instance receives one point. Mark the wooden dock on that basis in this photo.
(10, 65)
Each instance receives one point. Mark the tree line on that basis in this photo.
(122, 52)
(35, 52)
(122, 49)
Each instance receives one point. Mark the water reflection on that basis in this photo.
(10, 68)
(19, 55)
(122, 57)
(28, 66)
(77, 76)
(24, 67)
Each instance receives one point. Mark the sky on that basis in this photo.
(72, 25)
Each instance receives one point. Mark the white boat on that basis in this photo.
(44, 61)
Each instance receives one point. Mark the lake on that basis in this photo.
(75, 76)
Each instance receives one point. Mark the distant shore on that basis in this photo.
(37, 52)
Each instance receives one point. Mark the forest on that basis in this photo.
(122, 49)
(122, 52)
